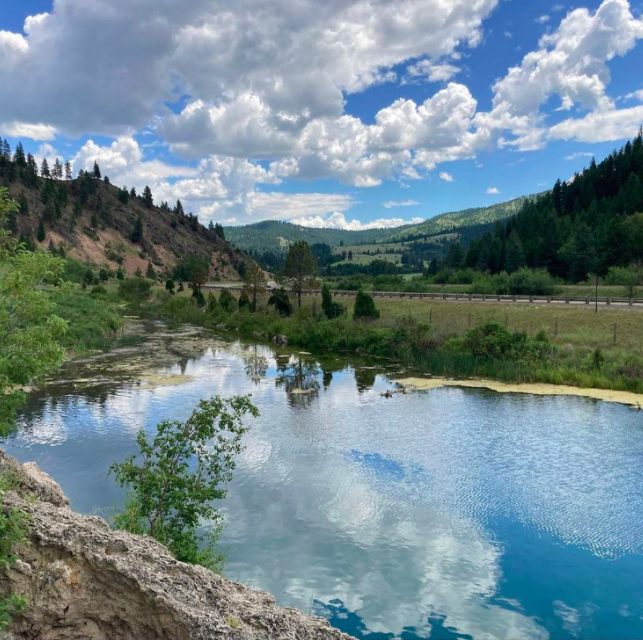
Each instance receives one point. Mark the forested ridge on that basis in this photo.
(582, 226)
(88, 218)
(459, 220)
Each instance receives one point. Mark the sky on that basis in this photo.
(331, 113)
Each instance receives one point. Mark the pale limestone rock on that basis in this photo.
(83, 580)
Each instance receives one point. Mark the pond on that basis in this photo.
(455, 513)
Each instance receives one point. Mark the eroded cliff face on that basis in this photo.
(83, 580)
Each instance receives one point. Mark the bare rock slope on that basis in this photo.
(83, 580)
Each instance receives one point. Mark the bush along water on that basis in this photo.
(486, 351)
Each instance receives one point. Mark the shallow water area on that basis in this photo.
(448, 513)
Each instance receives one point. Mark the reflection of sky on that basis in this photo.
(424, 512)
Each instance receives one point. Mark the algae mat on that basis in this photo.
(606, 395)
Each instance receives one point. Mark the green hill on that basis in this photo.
(448, 222)
(276, 236)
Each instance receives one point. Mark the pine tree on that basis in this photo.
(137, 231)
(48, 193)
(150, 273)
(515, 259)
(19, 157)
(330, 308)
(44, 169)
(57, 172)
(68, 175)
(255, 283)
(148, 200)
(41, 234)
(300, 269)
(96, 171)
(178, 209)
(123, 195)
(132, 193)
(32, 170)
(23, 203)
(365, 307)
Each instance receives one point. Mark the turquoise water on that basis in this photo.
(450, 514)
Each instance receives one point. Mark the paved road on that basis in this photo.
(630, 304)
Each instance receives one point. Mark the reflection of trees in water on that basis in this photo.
(365, 378)
(299, 377)
(256, 363)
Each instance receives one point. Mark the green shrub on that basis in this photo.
(98, 290)
(492, 340)
(281, 301)
(134, 290)
(227, 301)
(13, 531)
(525, 282)
(330, 308)
(244, 302)
(178, 475)
(198, 296)
(365, 307)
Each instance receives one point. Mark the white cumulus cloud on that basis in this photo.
(391, 204)
(339, 221)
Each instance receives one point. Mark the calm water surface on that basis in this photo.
(448, 514)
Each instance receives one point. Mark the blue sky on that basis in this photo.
(344, 114)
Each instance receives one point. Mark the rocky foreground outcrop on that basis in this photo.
(83, 580)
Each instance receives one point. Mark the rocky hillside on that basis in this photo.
(80, 579)
(96, 222)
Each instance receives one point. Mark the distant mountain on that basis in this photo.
(450, 222)
(276, 236)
